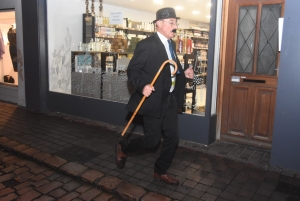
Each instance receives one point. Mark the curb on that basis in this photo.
(110, 184)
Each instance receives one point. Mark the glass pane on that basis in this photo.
(195, 91)
(94, 74)
(10, 55)
(245, 39)
(197, 38)
(268, 39)
(89, 56)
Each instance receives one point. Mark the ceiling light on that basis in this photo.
(207, 16)
(157, 1)
(208, 5)
(178, 7)
(195, 12)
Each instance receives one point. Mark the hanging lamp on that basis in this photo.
(87, 18)
(93, 8)
(101, 8)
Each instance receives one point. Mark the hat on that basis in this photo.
(165, 13)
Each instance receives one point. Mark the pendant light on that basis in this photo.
(93, 8)
(87, 18)
(101, 8)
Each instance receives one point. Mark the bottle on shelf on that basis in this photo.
(188, 45)
(107, 46)
(180, 44)
(184, 41)
(80, 46)
(124, 23)
(129, 23)
(106, 21)
(95, 44)
(98, 45)
(92, 45)
(96, 19)
(175, 40)
(100, 20)
(102, 46)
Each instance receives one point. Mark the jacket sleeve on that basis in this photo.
(136, 67)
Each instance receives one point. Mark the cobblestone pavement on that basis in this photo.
(23, 179)
(83, 151)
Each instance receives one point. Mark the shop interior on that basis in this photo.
(101, 49)
(8, 48)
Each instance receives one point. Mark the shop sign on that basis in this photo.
(116, 18)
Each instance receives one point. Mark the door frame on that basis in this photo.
(222, 63)
(221, 77)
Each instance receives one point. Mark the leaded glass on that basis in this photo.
(245, 39)
(268, 39)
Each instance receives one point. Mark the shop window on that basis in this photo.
(88, 56)
(8, 48)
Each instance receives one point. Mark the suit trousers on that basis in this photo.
(165, 127)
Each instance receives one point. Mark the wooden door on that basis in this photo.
(251, 69)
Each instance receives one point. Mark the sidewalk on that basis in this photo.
(221, 171)
(22, 179)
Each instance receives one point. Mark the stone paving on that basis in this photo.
(23, 179)
(83, 150)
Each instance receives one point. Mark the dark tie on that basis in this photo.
(172, 53)
(171, 50)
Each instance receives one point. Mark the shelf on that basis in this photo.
(98, 52)
(125, 28)
(200, 37)
(181, 54)
(109, 26)
(200, 48)
(104, 37)
(201, 74)
(140, 30)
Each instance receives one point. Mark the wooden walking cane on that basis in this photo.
(144, 97)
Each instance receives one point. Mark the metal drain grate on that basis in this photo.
(292, 191)
(77, 153)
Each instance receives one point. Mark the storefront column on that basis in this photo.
(35, 51)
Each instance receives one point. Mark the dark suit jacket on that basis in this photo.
(149, 55)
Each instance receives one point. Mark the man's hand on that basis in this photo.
(189, 73)
(147, 91)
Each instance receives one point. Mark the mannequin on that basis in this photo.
(12, 38)
(2, 52)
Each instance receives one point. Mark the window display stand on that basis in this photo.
(190, 85)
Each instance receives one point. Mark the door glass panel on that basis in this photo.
(268, 39)
(245, 39)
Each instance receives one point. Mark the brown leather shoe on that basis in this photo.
(120, 157)
(169, 179)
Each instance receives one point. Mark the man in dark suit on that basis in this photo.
(160, 108)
